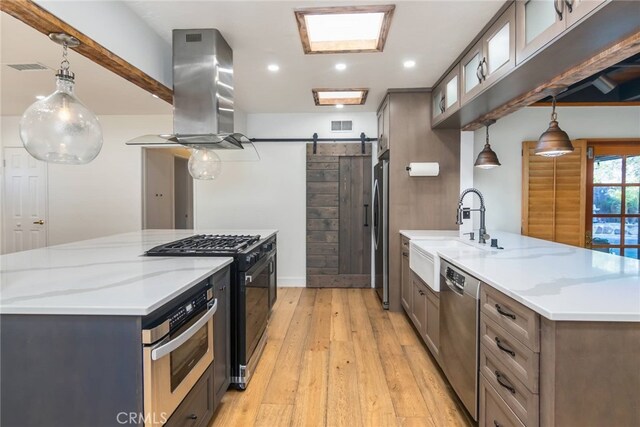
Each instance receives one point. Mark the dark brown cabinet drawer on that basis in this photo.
(514, 393)
(494, 412)
(196, 409)
(519, 359)
(520, 321)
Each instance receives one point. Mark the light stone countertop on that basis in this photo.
(104, 276)
(558, 281)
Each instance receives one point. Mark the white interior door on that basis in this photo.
(25, 203)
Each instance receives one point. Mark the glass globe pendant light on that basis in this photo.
(204, 164)
(59, 128)
(487, 158)
(553, 142)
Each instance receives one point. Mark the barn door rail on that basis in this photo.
(363, 139)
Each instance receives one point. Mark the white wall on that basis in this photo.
(271, 193)
(502, 186)
(104, 196)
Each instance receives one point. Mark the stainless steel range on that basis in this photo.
(253, 290)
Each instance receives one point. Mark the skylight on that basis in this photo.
(340, 96)
(344, 29)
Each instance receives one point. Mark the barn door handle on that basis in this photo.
(366, 215)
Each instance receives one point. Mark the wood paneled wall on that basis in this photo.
(418, 203)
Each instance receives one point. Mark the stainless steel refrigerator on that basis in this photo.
(381, 229)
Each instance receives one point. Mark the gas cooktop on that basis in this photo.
(205, 245)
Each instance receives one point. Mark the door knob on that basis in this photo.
(39, 222)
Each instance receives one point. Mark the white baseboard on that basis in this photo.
(292, 282)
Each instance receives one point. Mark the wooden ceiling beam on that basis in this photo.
(45, 22)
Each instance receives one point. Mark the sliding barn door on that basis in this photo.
(339, 216)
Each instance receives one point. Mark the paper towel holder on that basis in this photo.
(433, 174)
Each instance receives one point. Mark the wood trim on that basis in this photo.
(330, 102)
(621, 50)
(43, 21)
(304, 35)
(587, 104)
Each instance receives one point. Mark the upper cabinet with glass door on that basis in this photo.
(491, 58)
(446, 97)
(540, 21)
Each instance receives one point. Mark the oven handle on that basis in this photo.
(164, 349)
(257, 269)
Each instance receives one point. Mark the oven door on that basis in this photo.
(174, 364)
(256, 281)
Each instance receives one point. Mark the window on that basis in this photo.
(339, 96)
(344, 29)
(613, 197)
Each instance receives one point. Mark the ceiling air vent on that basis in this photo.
(28, 67)
(341, 126)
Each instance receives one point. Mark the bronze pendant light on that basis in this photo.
(554, 141)
(487, 158)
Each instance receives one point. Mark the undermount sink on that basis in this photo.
(425, 262)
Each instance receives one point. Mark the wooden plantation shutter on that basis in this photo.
(553, 194)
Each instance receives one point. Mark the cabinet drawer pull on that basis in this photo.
(569, 4)
(193, 417)
(479, 72)
(484, 68)
(505, 349)
(420, 292)
(496, 424)
(504, 383)
(505, 313)
(558, 5)
(405, 254)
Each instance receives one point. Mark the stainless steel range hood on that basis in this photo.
(203, 103)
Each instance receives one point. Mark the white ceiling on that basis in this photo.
(99, 89)
(433, 33)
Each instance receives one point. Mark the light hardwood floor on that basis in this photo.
(334, 358)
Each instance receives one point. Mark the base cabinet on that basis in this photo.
(432, 330)
(196, 410)
(222, 341)
(538, 372)
(423, 308)
(406, 289)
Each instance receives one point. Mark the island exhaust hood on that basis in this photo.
(203, 104)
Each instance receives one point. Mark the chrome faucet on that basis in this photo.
(483, 236)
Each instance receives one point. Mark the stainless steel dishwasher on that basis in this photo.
(459, 305)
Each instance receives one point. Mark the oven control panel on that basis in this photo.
(190, 307)
(249, 259)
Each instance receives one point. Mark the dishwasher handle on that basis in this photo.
(454, 286)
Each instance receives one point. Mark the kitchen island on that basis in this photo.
(558, 330)
(72, 321)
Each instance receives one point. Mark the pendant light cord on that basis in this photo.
(64, 65)
(554, 115)
(486, 144)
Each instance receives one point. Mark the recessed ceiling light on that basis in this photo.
(39, 97)
(344, 29)
(273, 67)
(340, 66)
(339, 106)
(409, 64)
(339, 96)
